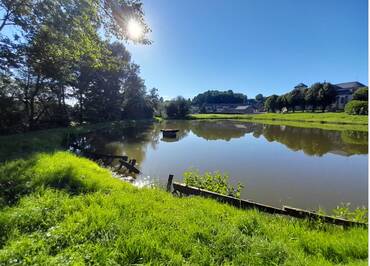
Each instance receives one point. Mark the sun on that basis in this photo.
(135, 29)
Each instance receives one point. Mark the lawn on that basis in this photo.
(335, 121)
(59, 209)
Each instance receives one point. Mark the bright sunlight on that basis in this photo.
(135, 29)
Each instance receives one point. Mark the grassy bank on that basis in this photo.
(61, 209)
(334, 121)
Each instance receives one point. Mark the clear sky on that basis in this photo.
(252, 46)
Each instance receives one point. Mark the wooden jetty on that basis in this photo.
(108, 159)
(169, 133)
(248, 204)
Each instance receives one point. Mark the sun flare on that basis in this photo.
(135, 29)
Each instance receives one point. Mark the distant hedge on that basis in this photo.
(355, 107)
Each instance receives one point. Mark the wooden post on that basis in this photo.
(169, 183)
(133, 162)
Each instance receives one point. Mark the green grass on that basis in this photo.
(334, 121)
(59, 209)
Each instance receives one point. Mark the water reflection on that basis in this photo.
(304, 167)
(132, 140)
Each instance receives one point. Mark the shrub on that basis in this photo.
(361, 94)
(216, 182)
(358, 215)
(355, 107)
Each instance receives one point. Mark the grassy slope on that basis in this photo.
(335, 121)
(61, 209)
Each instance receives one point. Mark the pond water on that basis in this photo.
(278, 165)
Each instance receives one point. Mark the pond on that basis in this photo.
(278, 165)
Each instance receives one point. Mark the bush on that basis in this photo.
(355, 107)
(361, 94)
(215, 182)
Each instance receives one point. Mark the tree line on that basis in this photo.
(217, 97)
(318, 96)
(59, 63)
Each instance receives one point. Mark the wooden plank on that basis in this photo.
(248, 204)
(295, 212)
(244, 204)
(129, 166)
(169, 183)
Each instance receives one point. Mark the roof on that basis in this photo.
(242, 107)
(350, 85)
(301, 85)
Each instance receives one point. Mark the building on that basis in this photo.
(228, 108)
(344, 93)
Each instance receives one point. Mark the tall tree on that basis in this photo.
(270, 103)
(135, 103)
(312, 95)
(57, 47)
(326, 95)
(295, 98)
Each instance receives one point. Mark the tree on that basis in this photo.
(326, 95)
(154, 101)
(259, 97)
(62, 55)
(311, 95)
(177, 108)
(281, 102)
(295, 98)
(135, 102)
(216, 97)
(361, 94)
(270, 103)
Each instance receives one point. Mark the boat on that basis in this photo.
(169, 133)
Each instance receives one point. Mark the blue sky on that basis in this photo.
(252, 46)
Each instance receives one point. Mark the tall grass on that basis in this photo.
(63, 210)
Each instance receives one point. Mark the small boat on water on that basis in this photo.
(169, 133)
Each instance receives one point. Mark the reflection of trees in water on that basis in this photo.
(315, 141)
(225, 130)
(311, 141)
(132, 139)
(129, 139)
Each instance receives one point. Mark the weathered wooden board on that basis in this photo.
(244, 204)
(298, 213)
(248, 204)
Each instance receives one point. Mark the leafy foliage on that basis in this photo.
(58, 56)
(216, 182)
(355, 107)
(358, 214)
(215, 96)
(318, 95)
(361, 94)
(271, 103)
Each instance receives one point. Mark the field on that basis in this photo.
(59, 209)
(334, 121)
